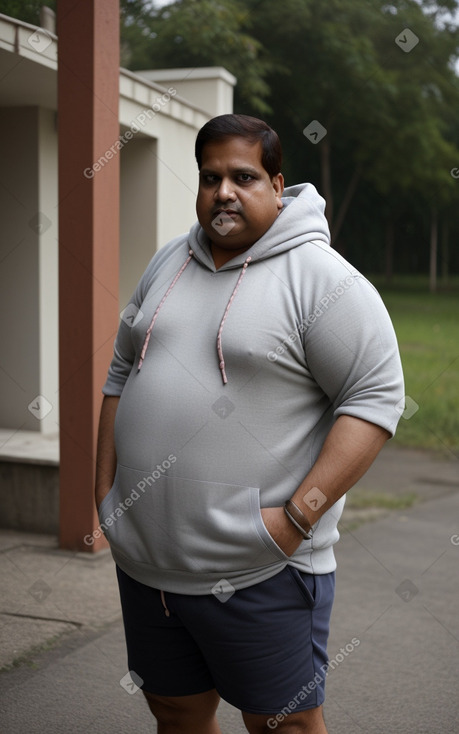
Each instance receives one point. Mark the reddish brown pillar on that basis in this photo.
(88, 89)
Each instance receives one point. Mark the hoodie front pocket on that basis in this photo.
(187, 525)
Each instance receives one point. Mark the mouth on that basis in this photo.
(225, 212)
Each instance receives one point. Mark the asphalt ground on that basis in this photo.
(394, 640)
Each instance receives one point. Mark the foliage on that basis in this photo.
(195, 33)
(390, 117)
(25, 10)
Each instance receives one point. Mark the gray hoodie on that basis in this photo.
(230, 380)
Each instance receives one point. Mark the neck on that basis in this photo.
(221, 256)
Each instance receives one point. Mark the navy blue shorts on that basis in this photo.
(264, 649)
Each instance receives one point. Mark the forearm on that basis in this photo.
(106, 454)
(349, 450)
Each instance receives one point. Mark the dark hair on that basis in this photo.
(244, 126)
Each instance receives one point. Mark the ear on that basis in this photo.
(278, 187)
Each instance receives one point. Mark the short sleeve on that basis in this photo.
(352, 353)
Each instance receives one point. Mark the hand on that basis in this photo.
(100, 494)
(287, 537)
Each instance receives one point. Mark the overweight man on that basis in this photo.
(254, 383)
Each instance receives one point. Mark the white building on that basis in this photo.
(160, 113)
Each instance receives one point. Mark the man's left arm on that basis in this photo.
(352, 354)
(349, 450)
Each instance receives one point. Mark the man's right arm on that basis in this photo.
(106, 454)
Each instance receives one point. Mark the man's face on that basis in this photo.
(237, 200)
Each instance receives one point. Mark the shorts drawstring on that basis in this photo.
(163, 599)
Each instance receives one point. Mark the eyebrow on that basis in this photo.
(246, 169)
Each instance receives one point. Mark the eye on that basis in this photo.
(209, 178)
(245, 177)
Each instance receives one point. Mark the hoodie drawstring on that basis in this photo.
(221, 358)
(219, 335)
(150, 328)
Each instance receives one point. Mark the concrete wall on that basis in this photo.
(28, 276)
(174, 130)
(19, 331)
(210, 88)
(48, 313)
(138, 212)
(178, 177)
(29, 499)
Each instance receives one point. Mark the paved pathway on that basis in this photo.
(394, 638)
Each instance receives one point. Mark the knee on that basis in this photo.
(280, 728)
(165, 712)
(284, 727)
(293, 727)
(187, 713)
(305, 722)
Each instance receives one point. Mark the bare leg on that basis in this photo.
(303, 722)
(185, 714)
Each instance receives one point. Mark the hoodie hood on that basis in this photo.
(302, 219)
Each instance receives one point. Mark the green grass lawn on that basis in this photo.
(427, 327)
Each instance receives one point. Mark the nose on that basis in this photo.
(225, 190)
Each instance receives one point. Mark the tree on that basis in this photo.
(428, 90)
(381, 112)
(354, 79)
(197, 33)
(25, 10)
